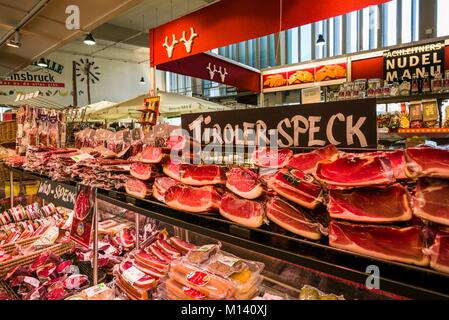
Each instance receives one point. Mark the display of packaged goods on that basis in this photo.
(416, 115)
(48, 277)
(311, 293)
(201, 255)
(430, 114)
(245, 275)
(205, 285)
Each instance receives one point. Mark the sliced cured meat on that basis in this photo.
(307, 162)
(427, 162)
(383, 242)
(152, 155)
(431, 200)
(160, 187)
(271, 158)
(45, 271)
(75, 281)
(397, 161)
(167, 248)
(201, 175)
(61, 268)
(192, 199)
(127, 239)
(292, 219)
(296, 187)
(150, 260)
(439, 252)
(181, 143)
(148, 270)
(127, 271)
(356, 171)
(141, 171)
(248, 213)
(244, 183)
(181, 245)
(171, 169)
(371, 204)
(159, 254)
(136, 188)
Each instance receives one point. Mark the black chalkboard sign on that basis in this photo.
(346, 124)
(58, 193)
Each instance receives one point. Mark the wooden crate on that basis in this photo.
(8, 132)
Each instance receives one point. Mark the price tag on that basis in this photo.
(133, 274)
(82, 157)
(31, 281)
(90, 292)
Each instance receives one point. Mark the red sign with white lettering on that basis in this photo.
(31, 84)
(232, 21)
(214, 68)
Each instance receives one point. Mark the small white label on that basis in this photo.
(50, 236)
(31, 281)
(230, 261)
(206, 248)
(133, 274)
(82, 157)
(90, 292)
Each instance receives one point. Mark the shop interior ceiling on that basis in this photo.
(42, 26)
(119, 26)
(125, 37)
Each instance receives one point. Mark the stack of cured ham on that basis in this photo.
(379, 204)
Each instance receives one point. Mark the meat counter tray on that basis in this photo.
(398, 278)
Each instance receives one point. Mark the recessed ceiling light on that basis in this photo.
(89, 40)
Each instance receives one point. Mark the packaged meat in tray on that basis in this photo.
(201, 255)
(311, 293)
(187, 281)
(245, 275)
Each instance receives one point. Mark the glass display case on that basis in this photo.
(291, 262)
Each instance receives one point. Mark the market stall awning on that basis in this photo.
(171, 104)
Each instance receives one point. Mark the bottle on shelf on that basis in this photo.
(437, 83)
(342, 92)
(425, 83)
(446, 82)
(415, 85)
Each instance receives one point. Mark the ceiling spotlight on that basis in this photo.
(320, 42)
(142, 80)
(89, 40)
(15, 42)
(42, 63)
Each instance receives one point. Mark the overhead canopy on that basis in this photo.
(171, 105)
(96, 107)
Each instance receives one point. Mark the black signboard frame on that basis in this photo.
(60, 194)
(337, 117)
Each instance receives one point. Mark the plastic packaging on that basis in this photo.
(205, 285)
(201, 255)
(311, 293)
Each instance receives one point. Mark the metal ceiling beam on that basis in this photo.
(27, 18)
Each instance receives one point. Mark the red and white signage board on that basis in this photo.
(232, 21)
(217, 69)
(31, 84)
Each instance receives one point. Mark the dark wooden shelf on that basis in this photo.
(399, 99)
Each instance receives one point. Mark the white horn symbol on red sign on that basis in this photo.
(171, 47)
(222, 74)
(211, 72)
(188, 43)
